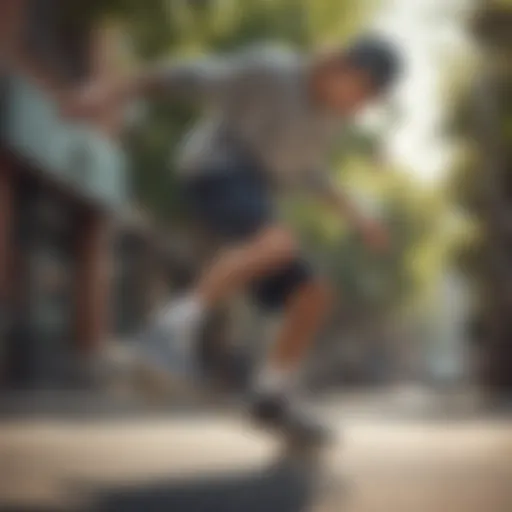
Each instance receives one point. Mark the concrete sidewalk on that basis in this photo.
(149, 463)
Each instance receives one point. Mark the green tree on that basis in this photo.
(164, 27)
(483, 187)
(373, 286)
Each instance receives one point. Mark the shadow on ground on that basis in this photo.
(281, 488)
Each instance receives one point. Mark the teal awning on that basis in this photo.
(75, 154)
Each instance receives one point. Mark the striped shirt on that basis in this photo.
(257, 103)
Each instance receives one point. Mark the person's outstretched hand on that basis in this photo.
(85, 102)
(375, 235)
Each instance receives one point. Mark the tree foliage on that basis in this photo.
(370, 283)
(166, 28)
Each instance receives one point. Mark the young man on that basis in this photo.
(271, 118)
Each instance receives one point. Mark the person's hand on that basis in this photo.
(374, 235)
(85, 102)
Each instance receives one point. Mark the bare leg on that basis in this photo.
(303, 318)
(275, 397)
(304, 314)
(305, 309)
(271, 248)
(236, 267)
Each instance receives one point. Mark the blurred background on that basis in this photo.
(93, 236)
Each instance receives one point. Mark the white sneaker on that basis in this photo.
(168, 346)
(172, 341)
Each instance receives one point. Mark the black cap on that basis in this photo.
(376, 56)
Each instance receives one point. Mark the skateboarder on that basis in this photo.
(270, 119)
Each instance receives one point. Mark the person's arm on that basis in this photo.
(197, 79)
(201, 80)
(373, 233)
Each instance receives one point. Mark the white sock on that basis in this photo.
(184, 317)
(187, 309)
(276, 380)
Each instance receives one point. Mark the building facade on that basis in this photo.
(61, 184)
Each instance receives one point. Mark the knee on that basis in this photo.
(295, 279)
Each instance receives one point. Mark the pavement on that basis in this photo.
(214, 462)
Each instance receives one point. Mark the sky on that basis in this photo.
(432, 36)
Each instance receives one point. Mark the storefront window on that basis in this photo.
(132, 275)
(42, 336)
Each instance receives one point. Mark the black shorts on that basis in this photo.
(235, 204)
